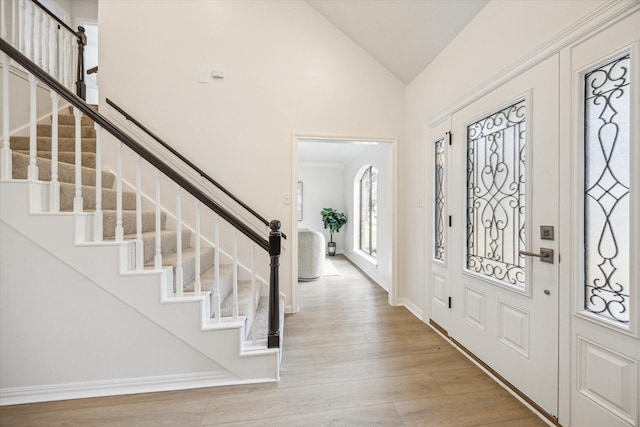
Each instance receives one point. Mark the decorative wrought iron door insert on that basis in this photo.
(606, 183)
(496, 195)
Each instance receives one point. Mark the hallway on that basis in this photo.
(350, 359)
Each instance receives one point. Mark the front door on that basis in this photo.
(503, 259)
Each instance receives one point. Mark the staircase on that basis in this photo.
(105, 290)
(247, 294)
(219, 316)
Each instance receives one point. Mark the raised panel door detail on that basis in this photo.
(608, 379)
(513, 328)
(439, 290)
(474, 308)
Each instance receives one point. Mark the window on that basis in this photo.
(496, 195)
(438, 222)
(369, 211)
(606, 185)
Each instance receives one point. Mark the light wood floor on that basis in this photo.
(349, 359)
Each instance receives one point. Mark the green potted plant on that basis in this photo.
(333, 221)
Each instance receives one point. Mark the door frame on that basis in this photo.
(601, 18)
(393, 142)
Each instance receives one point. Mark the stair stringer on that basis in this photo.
(109, 265)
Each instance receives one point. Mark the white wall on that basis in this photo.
(69, 333)
(287, 70)
(503, 32)
(322, 188)
(379, 156)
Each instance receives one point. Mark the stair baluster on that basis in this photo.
(254, 305)
(33, 163)
(53, 49)
(14, 20)
(22, 22)
(30, 24)
(3, 24)
(179, 282)
(216, 287)
(139, 242)
(77, 201)
(119, 227)
(157, 261)
(99, 217)
(54, 195)
(44, 49)
(60, 55)
(37, 27)
(66, 60)
(198, 280)
(5, 151)
(235, 275)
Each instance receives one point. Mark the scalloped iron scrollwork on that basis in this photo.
(607, 182)
(496, 195)
(439, 201)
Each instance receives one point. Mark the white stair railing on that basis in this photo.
(50, 43)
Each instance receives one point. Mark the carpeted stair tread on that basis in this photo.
(66, 131)
(70, 119)
(129, 222)
(87, 159)
(109, 196)
(168, 242)
(189, 263)
(66, 171)
(244, 300)
(43, 143)
(208, 281)
(261, 322)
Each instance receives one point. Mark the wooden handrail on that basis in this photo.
(58, 20)
(189, 163)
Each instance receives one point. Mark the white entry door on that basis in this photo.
(504, 195)
(601, 208)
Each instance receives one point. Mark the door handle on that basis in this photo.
(545, 255)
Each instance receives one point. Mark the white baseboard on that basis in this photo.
(21, 395)
(411, 307)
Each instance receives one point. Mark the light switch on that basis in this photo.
(202, 77)
(286, 199)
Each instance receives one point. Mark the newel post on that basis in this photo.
(81, 87)
(275, 240)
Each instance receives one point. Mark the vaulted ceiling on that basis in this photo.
(403, 35)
